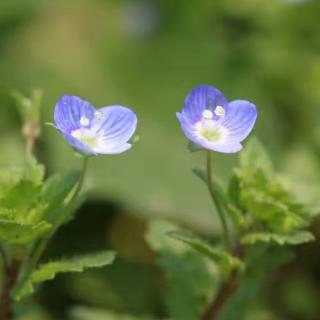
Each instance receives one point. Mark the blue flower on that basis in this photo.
(211, 122)
(92, 132)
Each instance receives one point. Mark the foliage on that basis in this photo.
(189, 280)
(266, 219)
(32, 209)
(49, 270)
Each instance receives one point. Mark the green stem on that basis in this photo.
(216, 202)
(3, 256)
(39, 250)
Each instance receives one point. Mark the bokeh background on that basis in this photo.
(147, 55)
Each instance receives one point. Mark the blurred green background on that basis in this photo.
(147, 55)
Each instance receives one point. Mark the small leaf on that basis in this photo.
(15, 232)
(200, 173)
(21, 198)
(158, 240)
(29, 108)
(189, 280)
(224, 260)
(34, 171)
(237, 217)
(254, 157)
(234, 190)
(55, 192)
(281, 239)
(193, 147)
(49, 270)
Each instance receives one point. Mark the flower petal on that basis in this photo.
(239, 120)
(116, 124)
(79, 146)
(201, 98)
(187, 128)
(68, 112)
(222, 147)
(192, 134)
(111, 148)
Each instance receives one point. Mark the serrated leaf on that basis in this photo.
(237, 217)
(34, 171)
(9, 178)
(257, 192)
(49, 270)
(281, 239)
(254, 157)
(22, 198)
(158, 240)
(7, 214)
(15, 232)
(276, 214)
(224, 260)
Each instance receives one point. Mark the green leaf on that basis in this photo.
(234, 190)
(34, 171)
(224, 260)
(56, 190)
(189, 280)
(29, 108)
(281, 239)
(254, 157)
(157, 239)
(22, 197)
(49, 270)
(279, 215)
(238, 217)
(192, 147)
(15, 232)
(259, 195)
(84, 313)
(200, 173)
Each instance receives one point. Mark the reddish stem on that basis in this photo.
(6, 303)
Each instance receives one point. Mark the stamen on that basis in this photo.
(207, 114)
(219, 111)
(84, 121)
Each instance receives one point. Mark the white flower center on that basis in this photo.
(209, 128)
(84, 121)
(87, 136)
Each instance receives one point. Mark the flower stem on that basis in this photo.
(225, 292)
(39, 250)
(31, 132)
(216, 202)
(80, 184)
(3, 256)
(6, 302)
